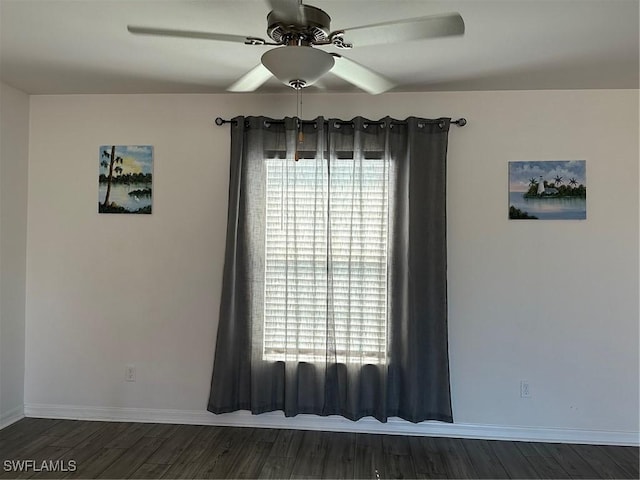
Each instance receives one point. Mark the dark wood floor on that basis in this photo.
(144, 450)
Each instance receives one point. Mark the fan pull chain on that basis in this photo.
(299, 115)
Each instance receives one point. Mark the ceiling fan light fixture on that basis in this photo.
(297, 66)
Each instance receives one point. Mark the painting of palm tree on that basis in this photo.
(125, 179)
(538, 190)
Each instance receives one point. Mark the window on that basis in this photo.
(326, 259)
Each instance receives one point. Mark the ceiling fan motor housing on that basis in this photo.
(312, 26)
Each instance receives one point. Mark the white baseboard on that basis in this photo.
(394, 426)
(12, 416)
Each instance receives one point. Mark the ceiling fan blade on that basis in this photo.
(360, 76)
(162, 32)
(251, 80)
(289, 11)
(406, 30)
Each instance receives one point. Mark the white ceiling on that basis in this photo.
(82, 46)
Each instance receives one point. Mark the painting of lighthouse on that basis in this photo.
(548, 190)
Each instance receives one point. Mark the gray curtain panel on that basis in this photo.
(334, 298)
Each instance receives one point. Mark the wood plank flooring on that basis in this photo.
(144, 450)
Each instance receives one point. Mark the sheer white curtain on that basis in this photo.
(326, 257)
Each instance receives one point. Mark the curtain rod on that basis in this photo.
(461, 122)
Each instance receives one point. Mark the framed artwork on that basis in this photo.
(125, 180)
(548, 190)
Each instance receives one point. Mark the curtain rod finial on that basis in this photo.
(219, 121)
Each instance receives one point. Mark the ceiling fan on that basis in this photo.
(297, 29)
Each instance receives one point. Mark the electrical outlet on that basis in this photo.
(525, 389)
(130, 373)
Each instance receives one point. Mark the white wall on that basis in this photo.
(14, 144)
(553, 303)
